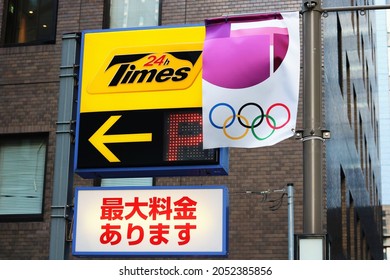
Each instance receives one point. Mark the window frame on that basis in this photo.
(46, 41)
(36, 217)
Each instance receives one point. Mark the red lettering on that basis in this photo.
(185, 208)
(136, 208)
(160, 209)
(130, 230)
(112, 208)
(111, 234)
(184, 234)
(160, 206)
(158, 231)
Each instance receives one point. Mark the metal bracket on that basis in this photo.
(69, 230)
(323, 135)
(65, 127)
(73, 72)
(70, 71)
(310, 6)
(63, 211)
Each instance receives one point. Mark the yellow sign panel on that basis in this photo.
(157, 68)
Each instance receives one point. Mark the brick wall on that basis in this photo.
(29, 87)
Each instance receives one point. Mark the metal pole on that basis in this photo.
(290, 215)
(312, 118)
(355, 8)
(63, 165)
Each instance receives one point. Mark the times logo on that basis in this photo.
(146, 72)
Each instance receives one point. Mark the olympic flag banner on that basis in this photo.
(250, 80)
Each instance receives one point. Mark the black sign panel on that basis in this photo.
(124, 140)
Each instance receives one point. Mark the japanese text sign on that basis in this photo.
(150, 221)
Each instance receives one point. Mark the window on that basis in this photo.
(345, 242)
(29, 22)
(22, 173)
(127, 182)
(340, 55)
(349, 93)
(132, 13)
(355, 120)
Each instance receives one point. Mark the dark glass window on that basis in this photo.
(29, 22)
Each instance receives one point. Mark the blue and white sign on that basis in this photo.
(151, 221)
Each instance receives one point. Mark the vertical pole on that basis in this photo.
(290, 216)
(63, 164)
(312, 118)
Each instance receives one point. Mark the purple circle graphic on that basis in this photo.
(243, 58)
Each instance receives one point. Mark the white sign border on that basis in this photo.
(224, 233)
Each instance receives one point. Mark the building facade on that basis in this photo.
(353, 155)
(384, 116)
(30, 59)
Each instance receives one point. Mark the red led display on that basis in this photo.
(184, 138)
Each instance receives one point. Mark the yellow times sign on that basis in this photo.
(138, 69)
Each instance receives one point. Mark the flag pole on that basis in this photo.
(312, 118)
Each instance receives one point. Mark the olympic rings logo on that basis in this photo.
(244, 122)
